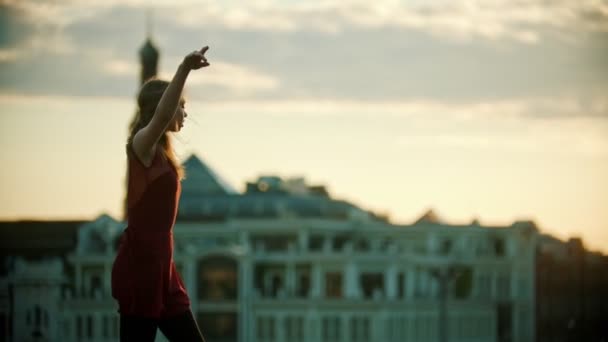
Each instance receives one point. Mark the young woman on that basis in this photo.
(145, 282)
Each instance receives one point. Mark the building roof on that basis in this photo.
(220, 207)
(206, 196)
(36, 239)
(430, 216)
(201, 180)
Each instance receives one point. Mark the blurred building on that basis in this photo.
(572, 292)
(283, 261)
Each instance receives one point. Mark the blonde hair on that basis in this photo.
(147, 101)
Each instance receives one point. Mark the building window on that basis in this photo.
(362, 245)
(90, 327)
(330, 329)
(93, 280)
(37, 316)
(219, 326)
(333, 285)
(294, 328)
(359, 329)
(401, 285)
(265, 330)
(315, 243)
(67, 328)
(303, 281)
(96, 286)
(268, 279)
(217, 279)
(106, 327)
(338, 242)
(461, 285)
(278, 243)
(446, 247)
(499, 247)
(79, 328)
(276, 287)
(372, 285)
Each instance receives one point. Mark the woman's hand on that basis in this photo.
(196, 59)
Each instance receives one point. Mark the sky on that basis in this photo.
(489, 110)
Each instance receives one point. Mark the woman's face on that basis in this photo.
(178, 119)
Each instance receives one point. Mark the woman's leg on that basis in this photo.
(181, 328)
(136, 329)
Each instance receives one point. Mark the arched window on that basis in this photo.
(37, 316)
(217, 278)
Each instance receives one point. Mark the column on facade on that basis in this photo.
(107, 279)
(375, 245)
(245, 285)
(70, 320)
(317, 280)
(303, 240)
(351, 283)
(55, 318)
(97, 326)
(410, 282)
(245, 241)
(494, 284)
(280, 321)
(378, 325)
(313, 331)
(327, 244)
(390, 281)
(515, 280)
(344, 327)
(22, 304)
(290, 278)
(422, 277)
(189, 267)
(79, 290)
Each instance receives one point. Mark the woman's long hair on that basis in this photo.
(147, 101)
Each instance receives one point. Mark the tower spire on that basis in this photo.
(148, 53)
(148, 24)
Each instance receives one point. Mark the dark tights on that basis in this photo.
(181, 327)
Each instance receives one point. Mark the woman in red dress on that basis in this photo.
(145, 282)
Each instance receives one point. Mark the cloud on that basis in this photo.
(240, 79)
(121, 67)
(9, 55)
(568, 128)
(377, 52)
(461, 19)
(226, 78)
(28, 29)
(456, 20)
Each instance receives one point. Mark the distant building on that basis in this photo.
(282, 262)
(571, 291)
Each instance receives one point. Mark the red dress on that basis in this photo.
(145, 281)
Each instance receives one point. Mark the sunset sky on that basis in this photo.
(495, 110)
